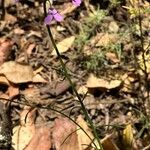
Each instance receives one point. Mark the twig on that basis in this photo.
(2, 7)
(147, 147)
(144, 62)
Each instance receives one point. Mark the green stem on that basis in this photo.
(71, 83)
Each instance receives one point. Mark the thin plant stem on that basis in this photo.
(51, 108)
(143, 53)
(71, 83)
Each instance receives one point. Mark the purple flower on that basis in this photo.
(52, 14)
(76, 2)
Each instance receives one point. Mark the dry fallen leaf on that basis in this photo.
(112, 56)
(3, 80)
(105, 39)
(108, 143)
(32, 96)
(82, 90)
(128, 137)
(18, 31)
(23, 133)
(16, 72)
(64, 135)
(68, 9)
(5, 49)
(10, 18)
(41, 139)
(83, 140)
(94, 82)
(64, 45)
(8, 3)
(4, 96)
(38, 70)
(30, 49)
(38, 79)
(13, 91)
(59, 87)
(35, 33)
(101, 84)
(114, 84)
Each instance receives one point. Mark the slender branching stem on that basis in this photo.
(143, 54)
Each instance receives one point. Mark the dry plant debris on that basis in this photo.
(93, 82)
(108, 67)
(64, 45)
(5, 49)
(16, 72)
(23, 133)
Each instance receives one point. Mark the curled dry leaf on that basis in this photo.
(30, 49)
(64, 45)
(16, 72)
(35, 33)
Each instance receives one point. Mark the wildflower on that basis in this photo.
(52, 14)
(76, 2)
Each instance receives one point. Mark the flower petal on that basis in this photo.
(58, 17)
(52, 11)
(76, 2)
(48, 19)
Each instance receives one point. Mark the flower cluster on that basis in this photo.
(53, 14)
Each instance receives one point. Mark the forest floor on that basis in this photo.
(105, 46)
